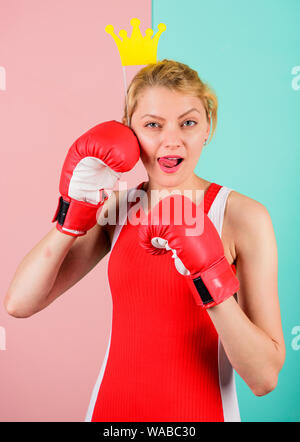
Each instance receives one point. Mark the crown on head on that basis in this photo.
(137, 49)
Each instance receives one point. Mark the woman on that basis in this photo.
(168, 359)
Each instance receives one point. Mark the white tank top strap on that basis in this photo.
(217, 209)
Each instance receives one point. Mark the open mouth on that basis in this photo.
(170, 163)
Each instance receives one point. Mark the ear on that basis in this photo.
(208, 128)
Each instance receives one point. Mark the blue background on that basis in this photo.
(249, 52)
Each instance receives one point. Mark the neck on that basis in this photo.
(192, 184)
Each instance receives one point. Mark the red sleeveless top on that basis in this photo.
(163, 357)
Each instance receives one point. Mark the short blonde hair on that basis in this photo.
(175, 76)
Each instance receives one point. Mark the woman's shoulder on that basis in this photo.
(246, 219)
(241, 208)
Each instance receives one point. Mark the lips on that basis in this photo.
(169, 163)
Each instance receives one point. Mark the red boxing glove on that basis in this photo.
(93, 164)
(199, 257)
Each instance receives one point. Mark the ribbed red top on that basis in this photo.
(163, 358)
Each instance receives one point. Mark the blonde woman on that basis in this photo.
(168, 359)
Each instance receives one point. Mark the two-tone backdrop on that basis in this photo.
(60, 74)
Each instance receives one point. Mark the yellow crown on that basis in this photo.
(136, 49)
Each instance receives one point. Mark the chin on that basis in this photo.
(167, 180)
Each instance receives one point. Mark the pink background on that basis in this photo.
(63, 76)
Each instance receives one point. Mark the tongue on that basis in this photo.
(166, 162)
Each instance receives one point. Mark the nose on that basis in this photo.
(172, 138)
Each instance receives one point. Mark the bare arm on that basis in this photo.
(250, 330)
(54, 265)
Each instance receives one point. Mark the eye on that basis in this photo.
(191, 121)
(187, 121)
(150, 123)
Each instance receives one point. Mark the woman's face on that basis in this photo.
(169, 124)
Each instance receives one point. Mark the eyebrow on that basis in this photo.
(180, 116)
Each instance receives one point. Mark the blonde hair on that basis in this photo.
(175, 76)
